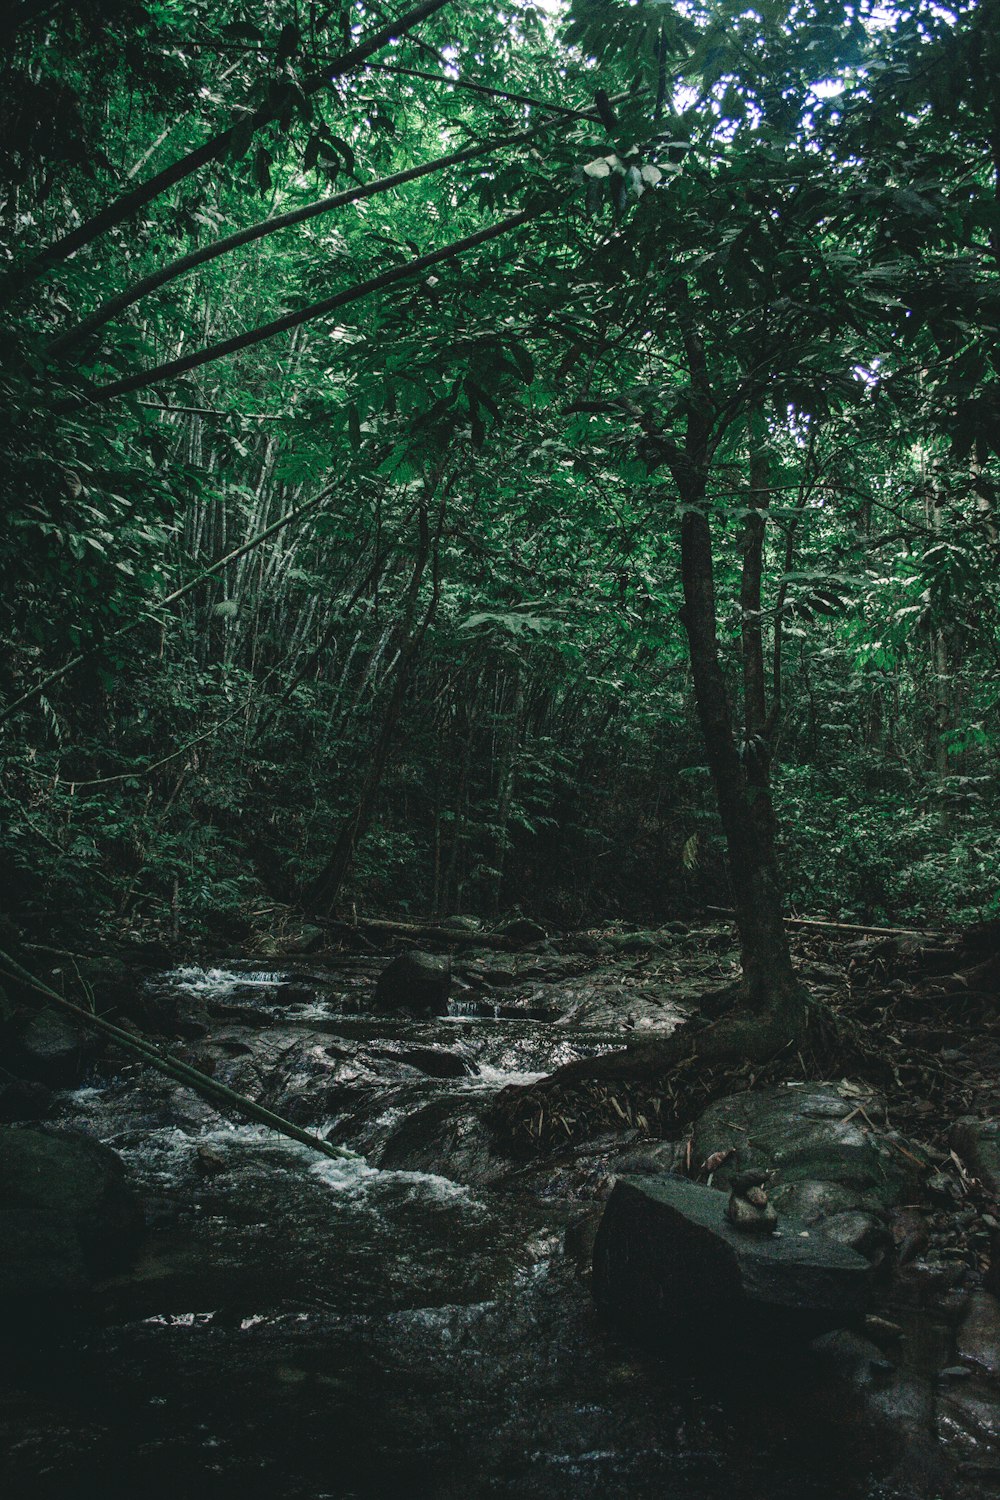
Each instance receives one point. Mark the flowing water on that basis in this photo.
(414, 1324)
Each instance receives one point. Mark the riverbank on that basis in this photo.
(421, 1322)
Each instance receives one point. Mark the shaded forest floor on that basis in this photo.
(274, 1284)
(925, 1004)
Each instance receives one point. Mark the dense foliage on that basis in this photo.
(383, 605)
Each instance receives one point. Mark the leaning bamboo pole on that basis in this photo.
(172, 1067)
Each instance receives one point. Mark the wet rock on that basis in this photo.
(306, 939)
(581, 1235)
(248, 1014)
(811, 1201)
(50, 1048)
(978, 1339)
(435, 1062)
(147, 952)
(498, 978)
(461, 924)
(415, 982)
(316, 1075)
(862, 1364)
(242, 1074)
(805, 1134)
(25, 1099)
(67, 1216)
(252, 992)
(643, 941)
(522, 930)
(439, 1139)
(883, 1330)
(529, 1005)
(861, 1386)
(110, 977)
(911, 1234)
(209, 1163)
(165, 1012)
(977, 1142)
(583, 942)
(925, 1281)
(206, 1059)
(864, 1232)
(667, 1260)
(969, 1415)
(648, 1158)
(295, 994)
(549, 971)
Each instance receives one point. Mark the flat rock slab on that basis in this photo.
(667, 1260)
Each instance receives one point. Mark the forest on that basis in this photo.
(501, 666)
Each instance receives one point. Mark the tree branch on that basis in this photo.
(378, 283)
(184, 264)
(216, 146)
(484, 89)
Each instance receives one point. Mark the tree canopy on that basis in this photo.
(441, 442)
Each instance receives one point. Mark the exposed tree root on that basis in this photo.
(659, 1086)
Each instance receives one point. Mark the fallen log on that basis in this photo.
(855, 927)
(420, 932)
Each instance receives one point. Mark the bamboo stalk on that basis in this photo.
(187, 588)
(217, 146)
(184, 264)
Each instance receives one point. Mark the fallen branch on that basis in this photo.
(181, 1072)
(724, 911)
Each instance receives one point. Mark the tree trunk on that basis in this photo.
(741, 773)
(773, 1008)
(742, 786)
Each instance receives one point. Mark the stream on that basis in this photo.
(417, 1323)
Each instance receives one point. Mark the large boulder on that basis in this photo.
(968, 1406)
(417, 982)
(25, 1099)
(67, 1214)
(668, 1262)
(307, 938)
(49, 1047)
(523, 930)
(812, 1141)
(462, 924)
